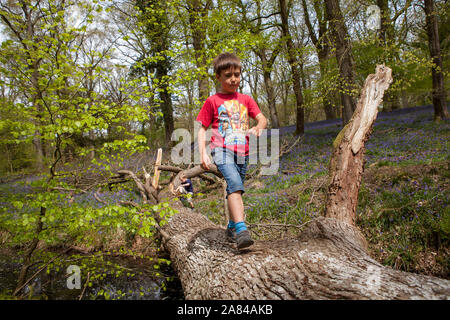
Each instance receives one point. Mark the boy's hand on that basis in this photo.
(206, 161)
(255, 131)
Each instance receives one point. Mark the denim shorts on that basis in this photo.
(233, 168)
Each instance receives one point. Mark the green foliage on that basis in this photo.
(57, 105)
(76, 221)
(405, 222)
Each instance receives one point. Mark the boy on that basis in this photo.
(187, 190)
(228, 112)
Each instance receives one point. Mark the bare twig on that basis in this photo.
(85, 285)
(147, 191)
(284, 149)
(68, 189)
(129, 203)
(314, 191)
(96, 196)
(39, 271)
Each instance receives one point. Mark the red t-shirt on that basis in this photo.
(228, 114)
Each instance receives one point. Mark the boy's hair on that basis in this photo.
(225, 61)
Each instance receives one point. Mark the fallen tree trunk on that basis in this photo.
(329, 260)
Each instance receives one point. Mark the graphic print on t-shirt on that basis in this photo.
(233, 122)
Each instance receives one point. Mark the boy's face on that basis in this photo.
(229, 80)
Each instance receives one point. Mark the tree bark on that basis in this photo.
(328, 260)
(268, 85)
(157, 31)
(322, 45)
(29, 253)
(162, 72)
(347, 161)
(267, 62)
(22, 25)
(292, 59)
(198, 12)
(439, 94)
(343, 56)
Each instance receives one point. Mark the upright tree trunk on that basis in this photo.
(198, 11)
(271, 102)
(166, 104)
(439, 94)
(34, 65)
(329, 109)
(323, 51)
(386, 39)
(343, 56)
(267, 62)
(385, 31)
(293, 62)
(267, 65)
(157, 31)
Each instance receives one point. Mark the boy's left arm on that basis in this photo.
(261, 124)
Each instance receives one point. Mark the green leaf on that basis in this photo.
(18, 204)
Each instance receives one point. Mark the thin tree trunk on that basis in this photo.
(293, 61)
(323, 51)
(158, 30)
(386, 38)
(439, 94)
(197, 13)
(328, 260)
(266, 62)
(329, 109)
(343, 56)
(29, 253)
(268, 85)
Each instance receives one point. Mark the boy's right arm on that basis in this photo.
(204, 157)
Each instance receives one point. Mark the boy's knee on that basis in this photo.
(237, 193)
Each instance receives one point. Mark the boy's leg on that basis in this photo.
(231, 171)
(189, 199)
(235, 203)
(236, 206)
(243, 237)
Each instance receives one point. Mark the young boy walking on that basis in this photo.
(228, 113)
